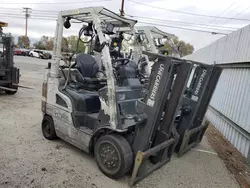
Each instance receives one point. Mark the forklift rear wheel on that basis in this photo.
(11, 92)
(113, 155)
(48, 128)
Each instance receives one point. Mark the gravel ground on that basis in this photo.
(29, 160)
(235, 162)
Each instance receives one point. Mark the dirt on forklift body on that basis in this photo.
(105, 114)
(9, 74)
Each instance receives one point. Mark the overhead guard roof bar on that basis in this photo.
(84, 14)
(155, 32)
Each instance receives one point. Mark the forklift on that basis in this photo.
(9, 74)
(199, 89)
(96, 105)
(153, 40)
(149, 39)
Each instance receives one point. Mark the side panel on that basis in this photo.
(65, 128)
(62, 116)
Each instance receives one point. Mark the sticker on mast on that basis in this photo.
(151, 99)
(195, 96)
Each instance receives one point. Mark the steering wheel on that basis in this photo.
(123, 61)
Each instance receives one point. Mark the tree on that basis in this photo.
(64, 45)
(183, 48)
(39, 45)
(72, 42)
(49, 45)
(68, 44)
(23, 42)
(47, 42)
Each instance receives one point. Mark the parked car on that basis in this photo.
(17, 51)
(34, 53)
(46, 55)
(40, 54)
(25, 52)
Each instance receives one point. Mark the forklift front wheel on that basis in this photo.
(48, 128)
(113, 155)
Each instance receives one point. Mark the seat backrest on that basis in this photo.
(86, 65)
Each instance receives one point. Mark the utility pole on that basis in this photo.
(27, 12)
(122, 8)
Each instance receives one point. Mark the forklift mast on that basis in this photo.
(179, 93)
(156, 137)
(195, 102)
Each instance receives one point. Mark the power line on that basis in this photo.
(32, 18)
(223, 12)
(9, 16)
(236, 15)
(188, 13)
(47, 15)
(168, 26)
(20, 15)
(155, 19)
(54, 18)
(181, 22)
(229, 13)
(197, 30)
(191, 26)
(12, 14)
(90, 1)
(36, 10)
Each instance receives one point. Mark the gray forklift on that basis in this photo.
(96, 103)
(199, 89)
(9, 74)
(153, 39)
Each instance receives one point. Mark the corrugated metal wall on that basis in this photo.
(228, 49)
(232, 134)
(232, 96)
(229, 109)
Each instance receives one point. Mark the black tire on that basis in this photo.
(118, 148)
(31, 55)
(48, 128)
(12, 92)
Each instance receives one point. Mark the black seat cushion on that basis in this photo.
(85, 101)
(86, 65)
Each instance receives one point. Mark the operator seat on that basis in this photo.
(128, 75)
(88, 68)
(86, 64)
(83, 93)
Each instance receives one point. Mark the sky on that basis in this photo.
(11, 11)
